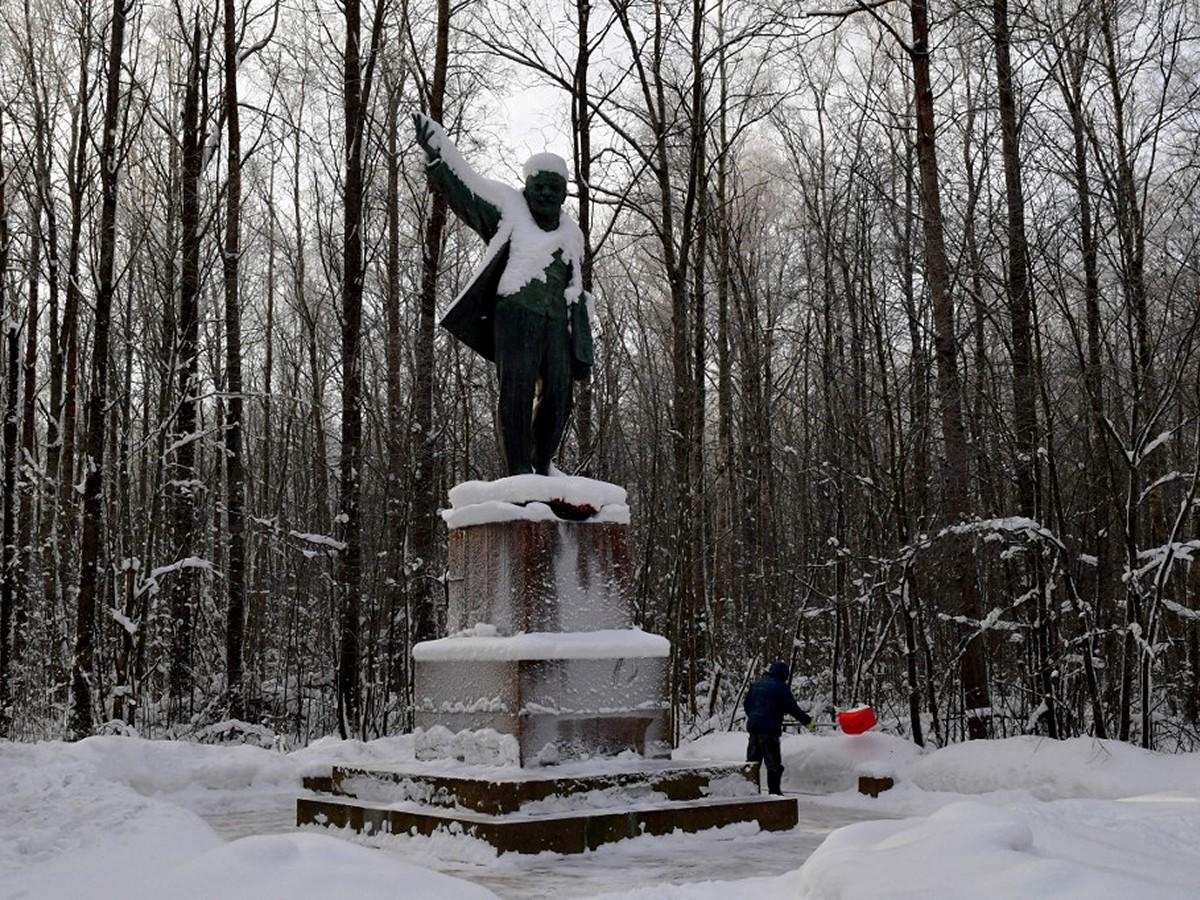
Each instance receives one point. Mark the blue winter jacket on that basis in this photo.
(769, 700)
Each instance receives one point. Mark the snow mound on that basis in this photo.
(232, 731)
(303, 865)
(1068, 850)
(65, 832)
(484, 747)
(1047, 769)
(816, 764)
(1051, 770)
(112, 817)
(156, 768)
(317, 757)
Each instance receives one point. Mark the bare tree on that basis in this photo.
(424, 594)
(89, 575)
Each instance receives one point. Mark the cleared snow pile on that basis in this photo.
(196, 776)
(317, 757)
(1050, 770)
(816, 764)
(235, 731)
(1067, 850)
(484, 747)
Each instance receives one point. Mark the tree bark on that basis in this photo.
(972, 665)
(356, 94)
(80, 724)
(424, 593)
(347, 525)
(8, 576)
(1021, 314)
(235, 488)
(185, 484)
(581, 121)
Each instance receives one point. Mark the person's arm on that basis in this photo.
(480, 215)
(793, 708)
(805, 718)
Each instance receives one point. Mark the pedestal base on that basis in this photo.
(535, 814)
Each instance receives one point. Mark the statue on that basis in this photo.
(524, 308)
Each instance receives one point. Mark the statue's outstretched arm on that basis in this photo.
(451, 176)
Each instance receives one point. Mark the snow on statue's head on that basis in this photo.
(545, 188)
(545, 162)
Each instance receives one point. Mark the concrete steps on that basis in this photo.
(557, 813)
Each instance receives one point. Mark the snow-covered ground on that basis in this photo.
(1023, 817)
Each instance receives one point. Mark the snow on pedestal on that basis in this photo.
(542, 645)
(614, 643)
(520, 490)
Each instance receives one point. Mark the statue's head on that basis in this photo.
(545, 186)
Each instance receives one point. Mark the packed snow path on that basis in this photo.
(616, 868)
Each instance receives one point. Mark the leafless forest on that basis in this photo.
(896, 313)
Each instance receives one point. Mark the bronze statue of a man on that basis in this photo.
(524, 308)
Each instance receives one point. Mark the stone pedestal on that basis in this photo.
(542, 647)
(539, 576)
(525, 711)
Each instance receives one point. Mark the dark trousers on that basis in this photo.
(764, 748)
(532, 352)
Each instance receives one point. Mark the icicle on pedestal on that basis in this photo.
(543, 663)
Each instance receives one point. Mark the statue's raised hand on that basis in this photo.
(423, 126)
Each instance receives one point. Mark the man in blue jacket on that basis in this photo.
(767, 702)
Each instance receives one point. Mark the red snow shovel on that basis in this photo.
(856, 721)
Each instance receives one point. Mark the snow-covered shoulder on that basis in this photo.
(531, 249)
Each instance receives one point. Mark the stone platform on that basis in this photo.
(565, 812)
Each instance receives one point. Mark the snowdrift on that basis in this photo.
(117, 817)
(1063, 850)
(1047, 769)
